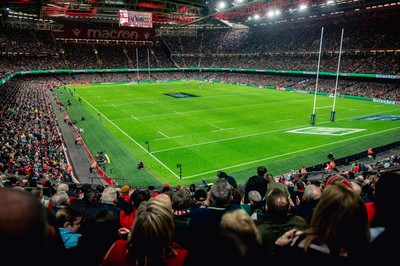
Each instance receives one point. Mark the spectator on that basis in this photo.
(231, 179)
(256, 182)
(24, 228)
(277, 220)
(384, 223)
(108, 201)
(273, 184)
(244, 247)
(338, 232)
(310, 198)
(181, 205)
(257, 204)
(200, 195)
(137, 197)
(151, 239)
(69, 222)
(204, 229)
(101, 233)
(58, 201)
(90, 199)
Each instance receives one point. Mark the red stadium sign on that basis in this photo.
(110, 34)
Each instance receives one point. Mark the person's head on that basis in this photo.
(220, 193)
(340, 221)
(386, 189)
(221, 174)
(103, 221)
(166, 198)
(312, 194)
(23, 223)
(91, 196)
(236, 196)
(277, 204)
(37, 192)
(261, 171)
(238, 226)
(152, 234)
(62, 187)
(254, 197)
(59, 199)
(356, 186)
(270, 178)
(200, 195)
(125, 190)
(69, 218)
(181, 200)
(138, 196)
(109, 195)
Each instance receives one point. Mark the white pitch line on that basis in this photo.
(290, 153)
(250, 135)
(134, 141)
(224, 129)
(163, 134)
(324, 107)
(135, 118)
(113, 105)
(174, 137)
(236, 165)
(282, 120)
(220, 128)
(179, 113)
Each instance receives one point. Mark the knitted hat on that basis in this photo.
(337, 178)
(125, 189)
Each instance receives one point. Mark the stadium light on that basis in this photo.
(303, 7)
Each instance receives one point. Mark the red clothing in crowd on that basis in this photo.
(127, 220)
(370, 206)
(117, 255)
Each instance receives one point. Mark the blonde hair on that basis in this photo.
(238, 226)
(152, 234)
(339, 221)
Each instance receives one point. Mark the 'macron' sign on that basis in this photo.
(110, 34)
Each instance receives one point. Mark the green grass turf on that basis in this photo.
(227, 127)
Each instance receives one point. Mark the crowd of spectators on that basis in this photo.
(31, 142)
(368, 47)
(341, 219)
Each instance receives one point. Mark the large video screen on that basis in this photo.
(135, 19)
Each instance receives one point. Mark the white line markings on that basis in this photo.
(227, 139)
(278, 121)
(163, 134)
(324, 107)
(134, 141)
(220, 128)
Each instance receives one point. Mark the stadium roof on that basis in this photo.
(184, 12)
